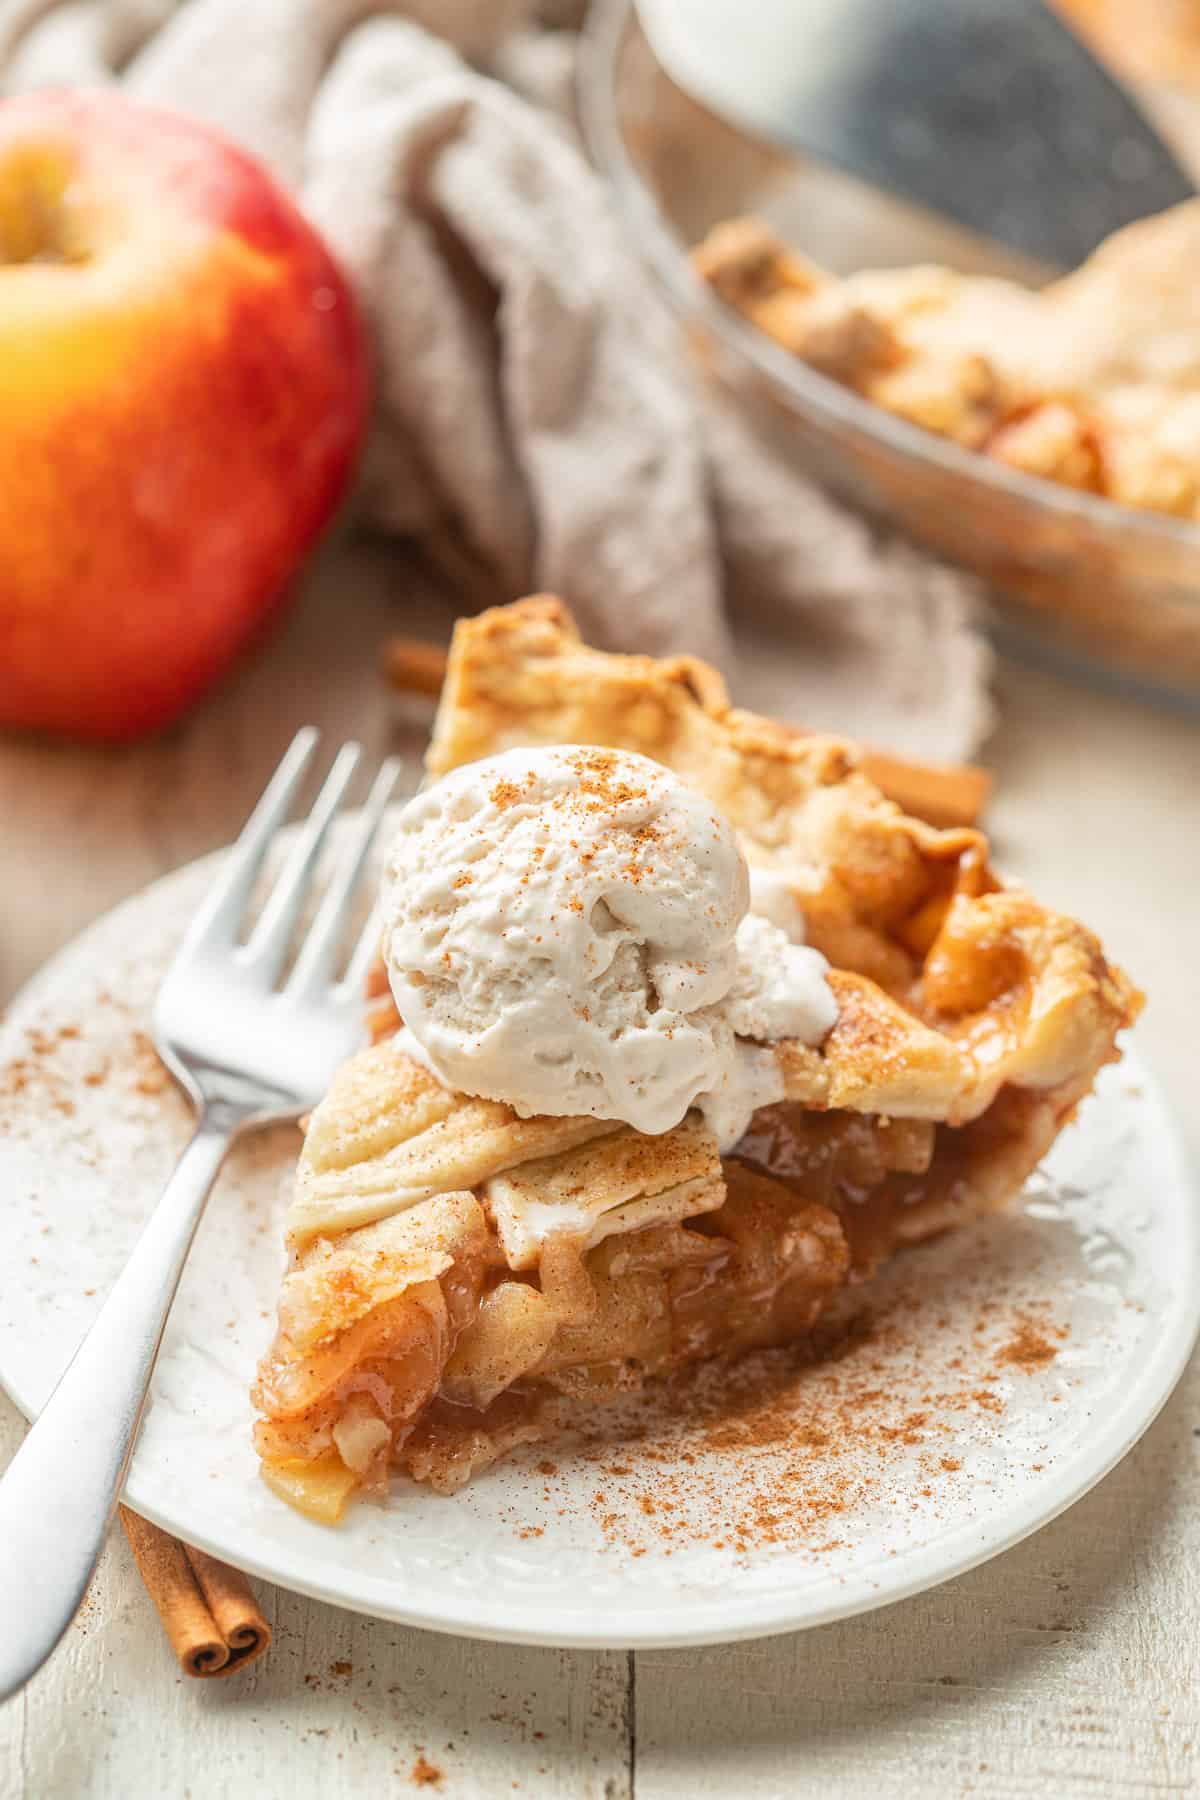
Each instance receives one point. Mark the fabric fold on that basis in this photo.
(539, 424)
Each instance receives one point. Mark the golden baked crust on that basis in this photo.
(1092, 382)
(426, 1323)
(949, 986)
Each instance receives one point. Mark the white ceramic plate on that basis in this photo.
(999, 1374)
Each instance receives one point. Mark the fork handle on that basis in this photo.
(59, 1494)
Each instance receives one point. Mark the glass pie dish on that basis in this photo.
(1075, 579)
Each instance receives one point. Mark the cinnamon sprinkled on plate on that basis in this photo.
(1028, 1348)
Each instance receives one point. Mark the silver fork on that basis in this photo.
(247, 1052)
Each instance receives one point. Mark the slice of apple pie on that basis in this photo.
(460, 1272)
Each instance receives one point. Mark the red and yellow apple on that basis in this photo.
(183, 393)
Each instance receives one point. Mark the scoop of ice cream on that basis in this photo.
(773, 897)
(562, 933)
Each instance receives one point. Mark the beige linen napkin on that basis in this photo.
(538, 425)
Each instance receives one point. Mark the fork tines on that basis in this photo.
(265, 953)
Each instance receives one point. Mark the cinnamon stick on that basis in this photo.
(413, 666)
(941, 794)
(210, 1615)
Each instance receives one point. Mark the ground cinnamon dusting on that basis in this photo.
(879, 1415)
(504, 794)
(1028, 1348)
(152, 1076)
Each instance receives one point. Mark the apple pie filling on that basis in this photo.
(437, 1337)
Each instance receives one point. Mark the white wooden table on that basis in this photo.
(1069, 1667)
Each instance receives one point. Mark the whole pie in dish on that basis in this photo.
(1092, 382)
(428, 1323)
